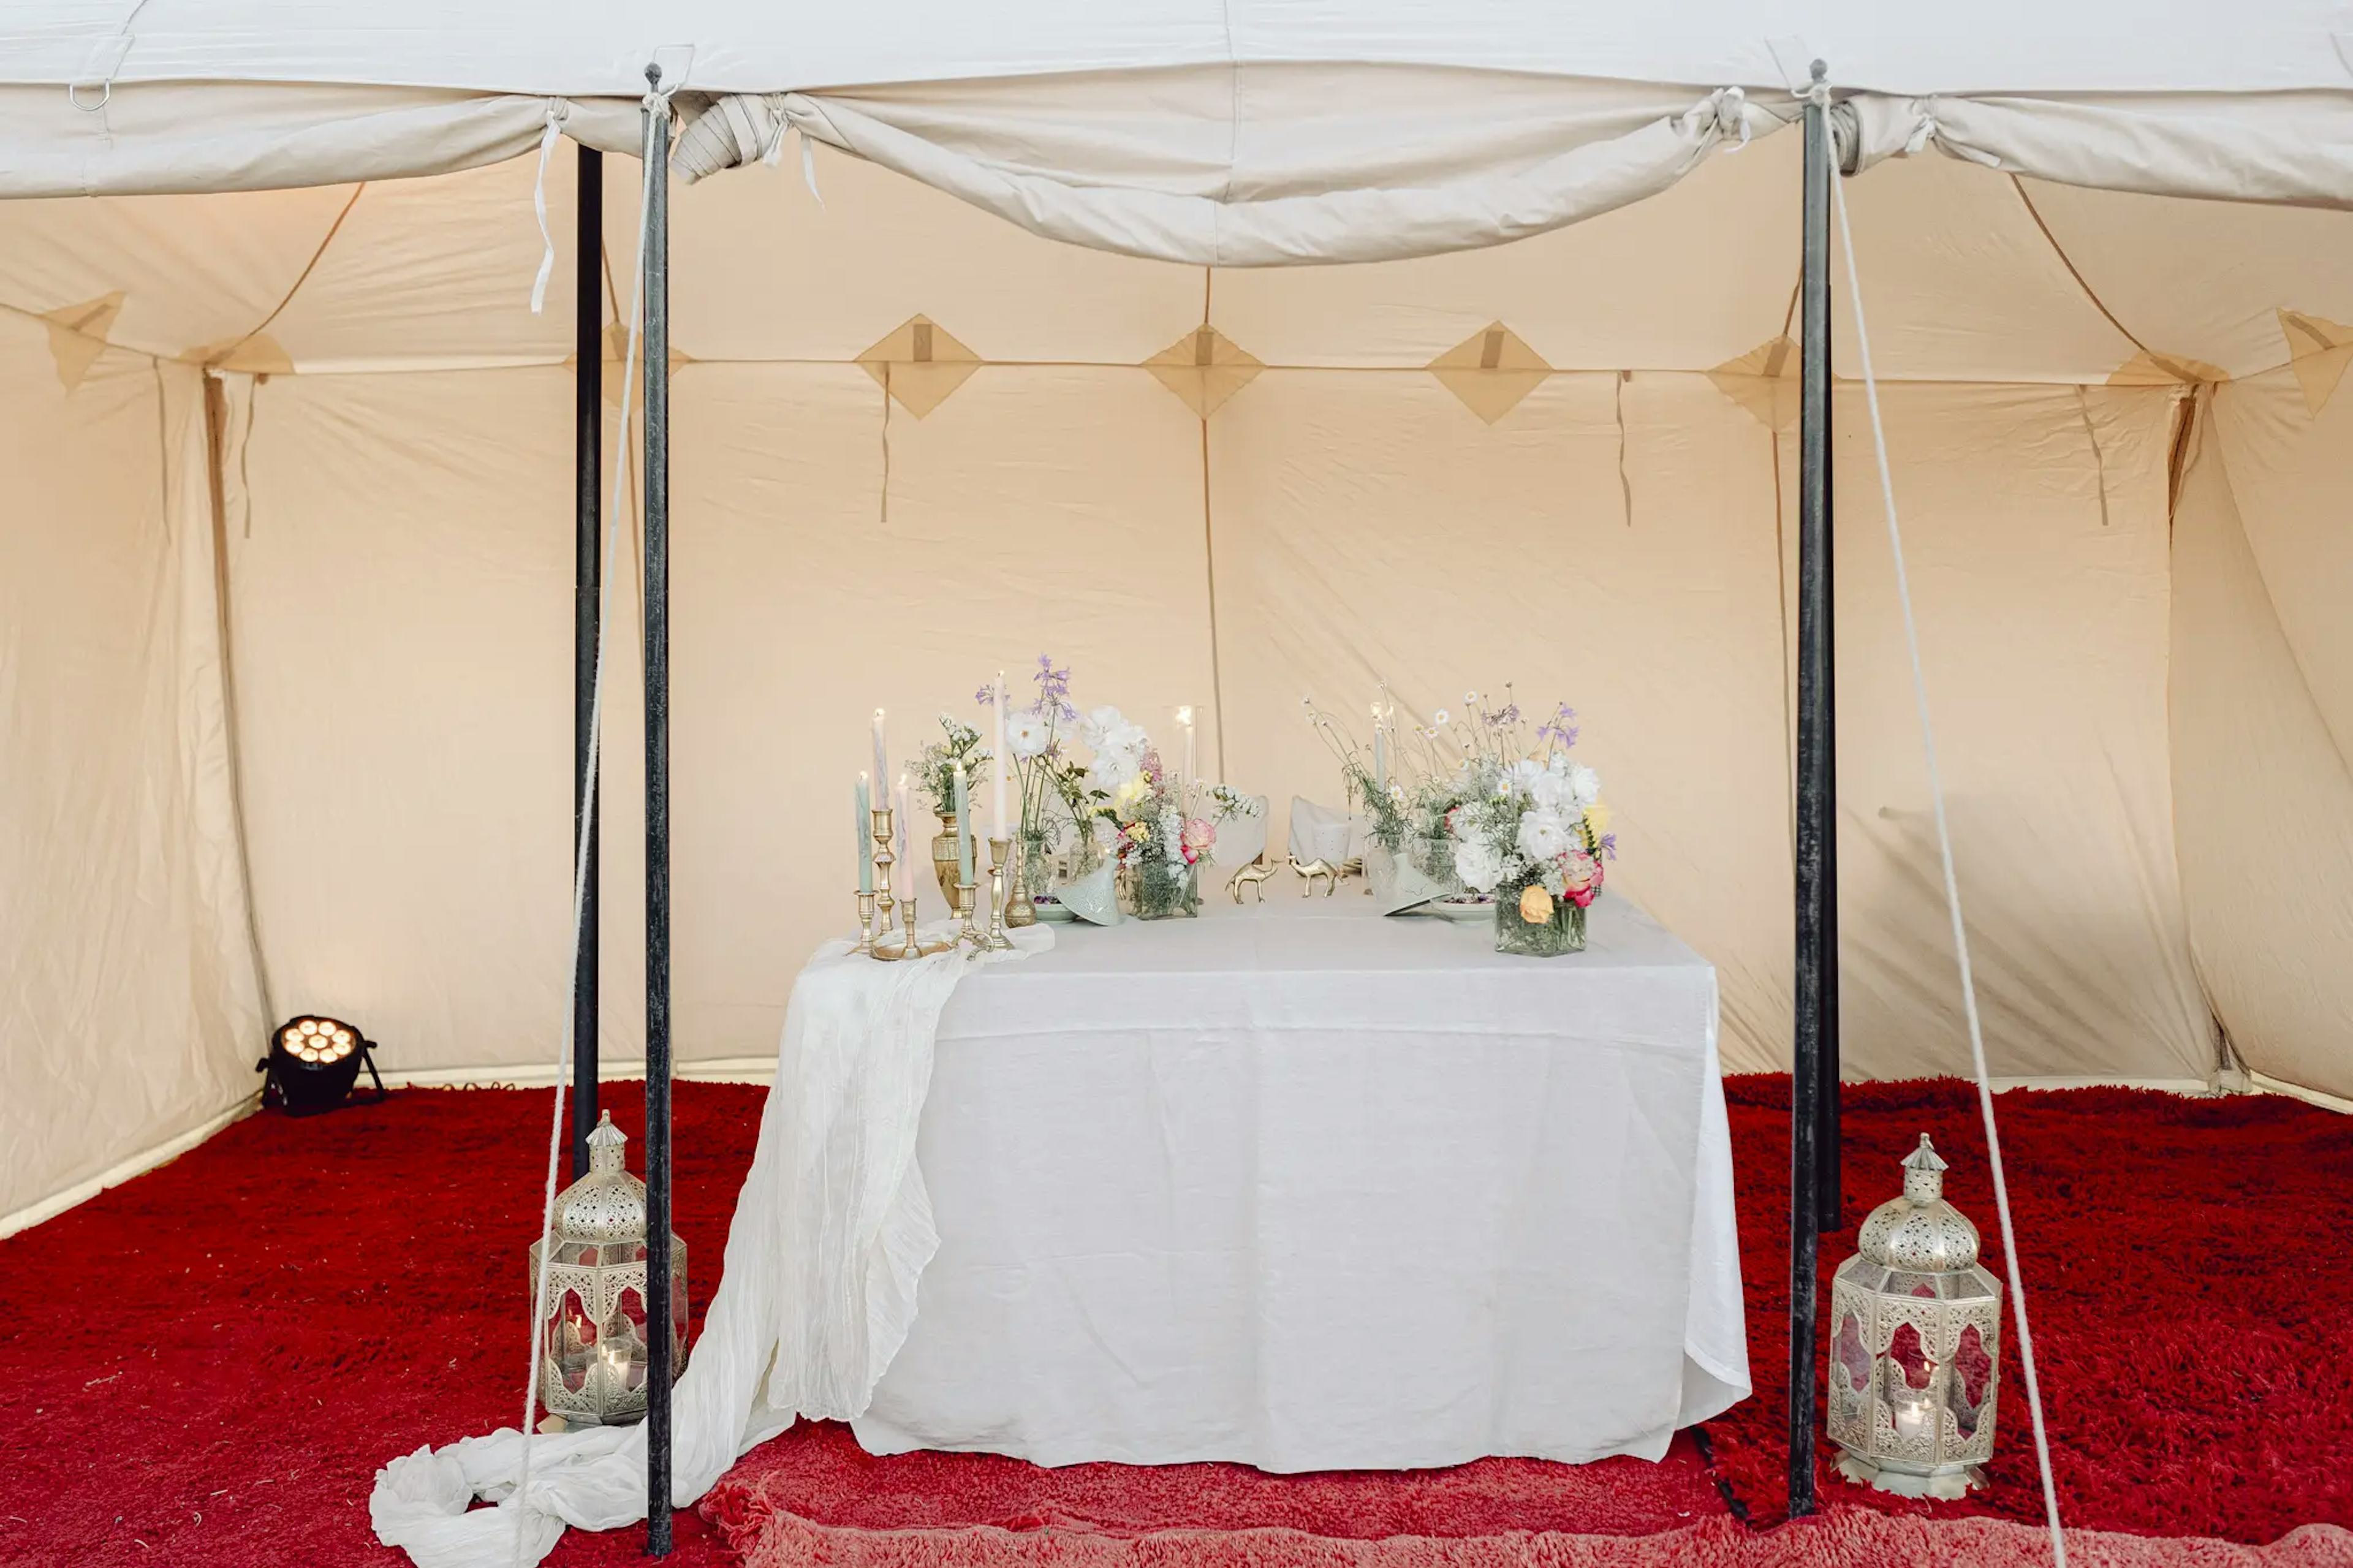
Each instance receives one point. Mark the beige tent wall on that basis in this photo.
(132, 1014)
(2260, 680)
(1362, 526)
(1594, 518)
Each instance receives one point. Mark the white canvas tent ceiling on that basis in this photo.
(313, 438)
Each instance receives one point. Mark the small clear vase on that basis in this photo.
(1434, 859)
(1167, 890)
(1534, 923)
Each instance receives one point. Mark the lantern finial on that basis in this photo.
(1924, 1175)
(605, 1145)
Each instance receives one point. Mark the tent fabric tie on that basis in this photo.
(1952, 886)
(556, 109)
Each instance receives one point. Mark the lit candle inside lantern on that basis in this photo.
(963, 828)
(881, 753)
(1004, 764)
(1184, 717)
(1916, 1416)
(861, 828)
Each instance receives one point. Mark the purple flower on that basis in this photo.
(985, 695)
(1559, 728)
(1609, 842)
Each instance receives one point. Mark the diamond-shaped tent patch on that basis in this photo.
(1764, 381)
(2317, 350)
(1204, 367)
(920, 364)
(1491, 371)
(78, 335)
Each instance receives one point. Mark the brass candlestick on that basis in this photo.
(993, 939)
(968, 935)
(865, 942)
(877, 944)
(913, 947)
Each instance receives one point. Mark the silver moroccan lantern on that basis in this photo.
(1915, 1344)
(592, 1370)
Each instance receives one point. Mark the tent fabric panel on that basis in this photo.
(1102, 183)
(133, 1007)
(2289, 474)
(1340, 563)
(2034, 527)
(421, 885)
(798, 609)
(2264, 820)
(598, 45)
(399, 560)
(187, 138)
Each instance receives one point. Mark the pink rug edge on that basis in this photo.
(768, 1534)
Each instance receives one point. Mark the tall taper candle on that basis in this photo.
(963, 826)
(861, 827)
(1004, 765)
(881, 753)
(1184, 717)
(905, 867)
(1380, 751)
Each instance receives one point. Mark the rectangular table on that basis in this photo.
(1296, 1186)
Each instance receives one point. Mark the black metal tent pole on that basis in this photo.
(656, 338)
(587, 585)
(1817, 972)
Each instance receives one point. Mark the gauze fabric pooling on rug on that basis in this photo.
(817, 1294)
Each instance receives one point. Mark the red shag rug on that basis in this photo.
(204, 1367)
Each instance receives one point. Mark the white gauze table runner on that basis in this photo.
(816, 1294)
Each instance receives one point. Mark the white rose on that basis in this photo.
(1479, 865)
(1544, 835)
(1584, 784)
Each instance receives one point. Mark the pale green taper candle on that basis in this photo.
(862, 829)
(963, 828)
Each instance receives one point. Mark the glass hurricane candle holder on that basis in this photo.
(1915, 1344)
(592, 1370)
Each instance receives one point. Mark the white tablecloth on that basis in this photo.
(1306, 1188)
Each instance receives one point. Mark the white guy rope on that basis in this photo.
(580, 864)
(1952, 887)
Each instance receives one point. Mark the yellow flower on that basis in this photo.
(1135, 789)
(1138, 832)
(1597, 817)
(1536, 904)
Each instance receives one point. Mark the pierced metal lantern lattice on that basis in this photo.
(592, 1355)
(1915, 1344)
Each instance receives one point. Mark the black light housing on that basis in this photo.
(315, 1063)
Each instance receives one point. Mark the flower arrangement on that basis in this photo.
(1531, 828)
(1164, 827)
(1057, 790)
(1485, 800)
(935, 769)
